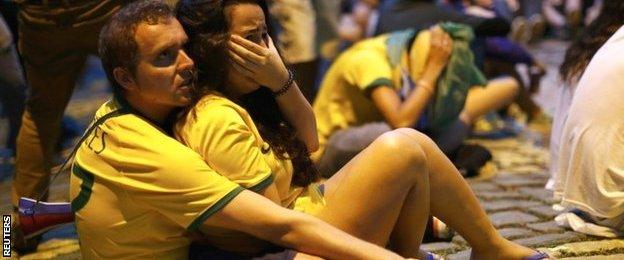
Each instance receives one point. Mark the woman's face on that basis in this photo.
(247, 21)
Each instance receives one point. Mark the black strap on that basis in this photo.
(99, 121)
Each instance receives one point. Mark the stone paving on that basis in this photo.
(520, 208)
(511, 192)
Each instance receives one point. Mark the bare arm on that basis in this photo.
(299, 114)
(271, 193)
(251, 213)
(406, 113)
(264, 65)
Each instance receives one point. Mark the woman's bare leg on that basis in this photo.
(496, 94)
(382, 192)
(453, 202)
(386, 192)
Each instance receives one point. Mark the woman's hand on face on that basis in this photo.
(263, 65)
(441, 47)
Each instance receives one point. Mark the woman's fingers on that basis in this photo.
(263, 61)
(236, 58)
(250, 46)
(436, 33)
(245, 53)
(440, 40)
(271, 44)
(243, 63)
(441, 47)
(242, 70)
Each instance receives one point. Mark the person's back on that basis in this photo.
(591, 164)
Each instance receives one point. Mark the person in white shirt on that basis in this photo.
(588, 137)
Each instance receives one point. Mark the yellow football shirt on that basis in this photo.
(343, 99)
(228, 140)
(226, 136)
(136, 192)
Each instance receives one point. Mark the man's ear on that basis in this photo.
(124, 78)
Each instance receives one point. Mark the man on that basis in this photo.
(137, 192)
(12, 91)
(55, 38)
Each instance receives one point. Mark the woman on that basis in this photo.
(576, 59)
(403, 79)
(584, 182)
(564, 16)
(266, 150)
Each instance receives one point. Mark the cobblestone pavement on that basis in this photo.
(512, 192)
(520, 207)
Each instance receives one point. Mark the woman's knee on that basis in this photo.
(422, 140)
(405, 146)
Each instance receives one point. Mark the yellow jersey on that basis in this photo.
(228, 140)
(344, 100)
(136, 192)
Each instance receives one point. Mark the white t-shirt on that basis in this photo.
(565, 92)
(590, 168)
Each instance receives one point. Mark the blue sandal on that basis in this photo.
(537, 256)
(432, 256)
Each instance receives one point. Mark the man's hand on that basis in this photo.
(262, 64)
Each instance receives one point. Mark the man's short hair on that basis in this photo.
(117, 44)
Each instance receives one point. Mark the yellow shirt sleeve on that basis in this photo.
(227, 139)
(367, 69)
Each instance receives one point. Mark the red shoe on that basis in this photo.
(38, 217)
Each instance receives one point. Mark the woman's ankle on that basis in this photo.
(490, 245)
(503, 249)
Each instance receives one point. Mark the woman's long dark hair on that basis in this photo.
(582, 50)
(207, 27)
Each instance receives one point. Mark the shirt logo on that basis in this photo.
(97, 142)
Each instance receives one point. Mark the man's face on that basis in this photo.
(163, 73)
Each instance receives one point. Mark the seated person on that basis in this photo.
(392, 81)
(587, 141)
(403, 14)
(260, 138)
(397, 15)
(137, 193)
(564, 16)
(501, 48)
